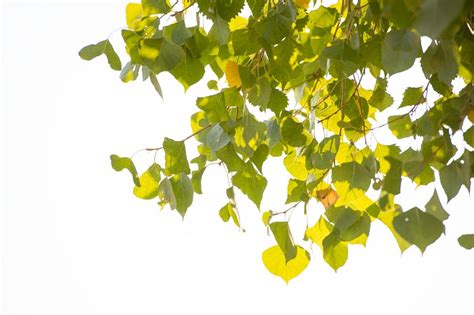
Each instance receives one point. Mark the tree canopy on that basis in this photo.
(300, 64)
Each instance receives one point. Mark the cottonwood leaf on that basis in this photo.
(275, 262)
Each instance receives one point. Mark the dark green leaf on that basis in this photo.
(399, 50)
(355, 174)
(104, 47)
(436, 15)
(393, 179)
(282, 234)
(418, 228)
(435, 208)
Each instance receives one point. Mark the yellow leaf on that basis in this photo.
(319, 231)
(303, 4)
(274, 260)
(232, 74)
(296, 165)
(186, 3)
(133, 12)
(149, 182)
(238, 23)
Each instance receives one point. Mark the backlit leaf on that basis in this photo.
(418, 227)
(274, 260)
(176, 160)
(250, 183)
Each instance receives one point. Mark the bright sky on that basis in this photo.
(75, 239)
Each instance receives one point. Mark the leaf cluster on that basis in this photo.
(267, 52)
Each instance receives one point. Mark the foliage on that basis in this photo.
(317, 55)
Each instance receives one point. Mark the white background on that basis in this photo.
(75, 239)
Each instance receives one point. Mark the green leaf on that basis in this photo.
(177, 33)
(355, 174)
(226, 9)
(183, 192)
(189, 71)
(170, 56)
(292, 132)
(401, 126)
(214, 106)
(399, 50)
(230, 158)
(412, 96)
(249, 135)
(451, 177)
(196, 180)
(418, 228)
(219, 31)
(324, 154)
(132, 42)
(256, 6)
(121, 163)
(176, 160)
(274, 260)
(227, 212)
(323, 17)
(358, 230)
(104, 47)
(380, 99)
(469, 136)
(260, 156)
(440, 60)
(466, 241)
(342, 217)
(149, 182)
(276, 25)
(273, 132)
(217, 138)
(156, 84)
(259, 94)
(335, 252)
(436, 15)
(129, 72)
(266, 216)
(166, 194)
(283, 237)
(250, 183)
(393, 178)
(155, 6)
(277, 102)
(296, 191)
(435, 208)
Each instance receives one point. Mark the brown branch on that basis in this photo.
(187, 138)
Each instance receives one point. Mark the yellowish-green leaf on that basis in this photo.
(274, 260)
(149, 182)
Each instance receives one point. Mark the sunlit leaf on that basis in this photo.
(274, 260)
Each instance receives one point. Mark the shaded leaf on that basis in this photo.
(418, 228)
